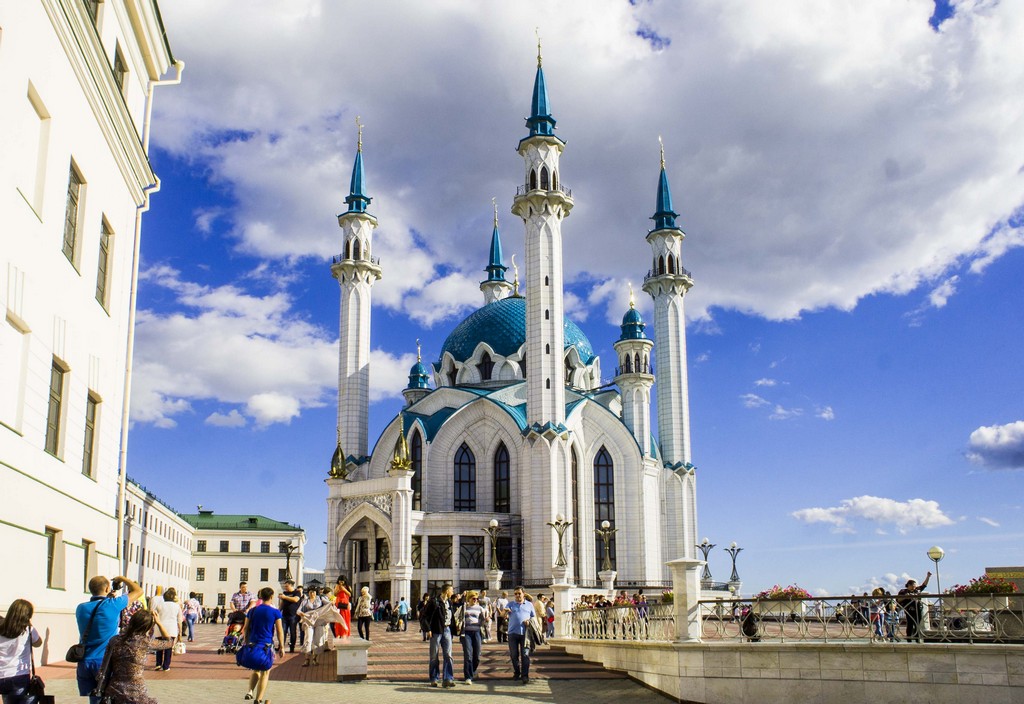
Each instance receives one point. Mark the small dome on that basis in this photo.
(502, 325)
(633, 325)
(419, 378)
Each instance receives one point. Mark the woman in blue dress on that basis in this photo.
(262, 625)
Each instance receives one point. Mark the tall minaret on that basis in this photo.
(542, 203)
(495, 287)
(356, 271)
(635, 376)
(668, 283)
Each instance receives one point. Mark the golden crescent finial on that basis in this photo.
(536, 31)
(632, 303)
(494, 202)
(418, 357)
(515, 280)
(662, 145)
(359, 129)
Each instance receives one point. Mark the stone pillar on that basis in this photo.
(686, 593)
(608, 580)
(558, 575)
(563, 602)
(494, 580)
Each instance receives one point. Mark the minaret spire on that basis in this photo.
(495, 287)
(664, 216)
(357, 200)
(540, 121)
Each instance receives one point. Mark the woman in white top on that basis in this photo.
(168, 613)
(17, 638)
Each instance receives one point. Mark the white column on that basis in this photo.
(686, 593)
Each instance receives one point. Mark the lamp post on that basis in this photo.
(935, 553)
(288, 548)
(733, 552)
(492, 530)
(560, 525)
(705, 547)
(605, 532)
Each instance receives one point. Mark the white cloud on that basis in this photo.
(702, 357)
(272, 407)
(765, 382)
(903, 515)
(941, 294)
(998, 446)
(988, 521)
(233, 419)
(389, 374)
(782, 413)
(825, 413)
(869, 161)
(753, 401)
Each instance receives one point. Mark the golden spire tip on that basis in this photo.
(359, 129)
(537, 32)
(662, 145)
(494, 202)
(632, 303)
(419, 358)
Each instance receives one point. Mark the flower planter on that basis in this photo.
(778, 607)
(975, 602)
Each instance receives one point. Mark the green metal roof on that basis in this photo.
(226, 521)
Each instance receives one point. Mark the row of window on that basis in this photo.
(56, 419)
(151, 521)
(244, 546)
(243, 574)
(73, 229)
(56, 577)
(439, 553)
(138, 555)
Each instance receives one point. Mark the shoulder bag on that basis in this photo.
(76, 653)
(36, 686)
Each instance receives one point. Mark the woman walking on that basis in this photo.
(262, 625)
(168, 614)
(473, 616)
(342, 599)
(364, 613)
(17, 638)
(122, 672)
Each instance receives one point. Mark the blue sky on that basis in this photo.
(848, 177)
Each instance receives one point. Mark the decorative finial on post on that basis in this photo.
(632, 302)
(338, 469)
(494, 202)
(662, 145)
(400, 458)
(515, 281)
(536, 31)
(359, 130)
(419, 357)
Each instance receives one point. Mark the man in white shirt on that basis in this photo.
(501, 617)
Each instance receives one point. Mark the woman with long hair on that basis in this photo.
(121, 676)
(168, 613)
(17, 638)
(342, 599)
(364, 613)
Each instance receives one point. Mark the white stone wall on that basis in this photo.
(212, 560)
(157, 543)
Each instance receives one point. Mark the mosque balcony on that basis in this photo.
(632, 369)
(524, 189)
(339, 258)
(680, 271)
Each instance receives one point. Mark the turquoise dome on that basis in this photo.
(502, 325)
(632, 325)
(418, 377)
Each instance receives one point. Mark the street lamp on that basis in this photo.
(288, 548)
(560, 525)
(705, 547)
(935, 553)
(492, 530)
(605, 532)
(733, 552)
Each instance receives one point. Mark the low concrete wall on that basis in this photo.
(817, 673)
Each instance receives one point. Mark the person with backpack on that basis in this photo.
(98, 620)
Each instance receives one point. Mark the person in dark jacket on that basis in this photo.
(438, 617)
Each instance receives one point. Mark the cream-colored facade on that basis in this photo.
(76, 88)
(157, 547)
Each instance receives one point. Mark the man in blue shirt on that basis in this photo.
(519, 613)
(403, 613)
(103, 610)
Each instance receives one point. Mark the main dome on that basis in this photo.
(502, 325)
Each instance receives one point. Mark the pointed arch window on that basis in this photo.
(357, 250)
(568, 372)
(502, 481)
(533, 180)
(627, 364)
(554, 180)
(486, 367)
(544, 178)
(452, 374)
(671, 264)
(465, 479)
(604, 502)
(416, 450)
(636, 363)
(661, 265)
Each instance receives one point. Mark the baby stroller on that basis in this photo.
(233, 635)
(396, 621)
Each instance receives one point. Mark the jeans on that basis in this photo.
(290, 625)
(87, 673)
(519, 651)
(190, 620)
(471, 644)
(15, 690)
(163, 657)
(404, 618)
(364, 627)
(442, 641)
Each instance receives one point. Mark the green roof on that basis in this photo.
(226, 521)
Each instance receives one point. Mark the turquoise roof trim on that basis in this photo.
(540, 121)
(356, 199)
(419, 378)
(633, 326)
(496, 267)
(502, 325)
(664, 217)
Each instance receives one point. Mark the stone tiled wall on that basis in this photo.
(815, 673)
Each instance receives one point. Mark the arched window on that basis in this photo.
(661, 265)
(533, 180)
(547, 383)
(575, 518)
(416, 450)
(348, 250)
(485, 367)
(451, 376)
(547, 348)
(627, 364)
(547, 315)
(568, 371)
(604, 502)
(636, 363)
(502, 481)
(544, 178)
(671, 264)
(554, 180)
(465, 479)
(546, 281)
(357, 251)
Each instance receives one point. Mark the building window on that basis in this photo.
(575, 498)
(89, 563)
(245, 546)
(416, 449)
(223, 546)
(200, 574)
(264, 574)
(471, 552)
(54, 558)
(363, 546)
(502, 481)
(243, 574)
(486, 367)
(604, 502)
(508, 559)
(222, 574)
(282, 574)
(222, 599)
(264, 546)
(417, 551)
(383, 555)
(439, 552)
(54, 415)
(92, 407)
(103, 264)
(75, 192)
(120, 71)
(465, 479)
(200, 546)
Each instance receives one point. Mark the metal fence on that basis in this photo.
(632, 622)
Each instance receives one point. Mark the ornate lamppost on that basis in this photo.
(288, 548)
(935, 553)
(605, 533)
(705, 547)
(494, 573)
(733, 552)
(560, 525)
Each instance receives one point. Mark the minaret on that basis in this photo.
(542, 203)
(356, 271)
(668, 283)
(419, 380)
(635, 376)
(495, 287)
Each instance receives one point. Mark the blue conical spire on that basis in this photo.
(540, 121)
(664, 217)
(356, 199)
(496, 267)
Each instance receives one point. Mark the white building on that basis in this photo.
(157, 547)
(229, 549)
(519, 427)
(77, 80)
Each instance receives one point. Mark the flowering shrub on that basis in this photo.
(667, 597)
(778, 593)
(984, 585)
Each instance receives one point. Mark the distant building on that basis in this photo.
(76, 92)
(157, 548)
(228, 549)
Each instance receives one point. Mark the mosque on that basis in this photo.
(512, 429)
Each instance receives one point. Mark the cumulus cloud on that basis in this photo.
(765, 382)
(868, 161)
(998, 446)
(988, 521)
(903, 515)
(826, 413)
(780, 412)
(753, 401)
(232, 419)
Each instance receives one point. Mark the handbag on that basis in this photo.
(36, 686)
(179, 648)
(76, 653)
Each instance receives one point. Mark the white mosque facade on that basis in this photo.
(513, 423)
